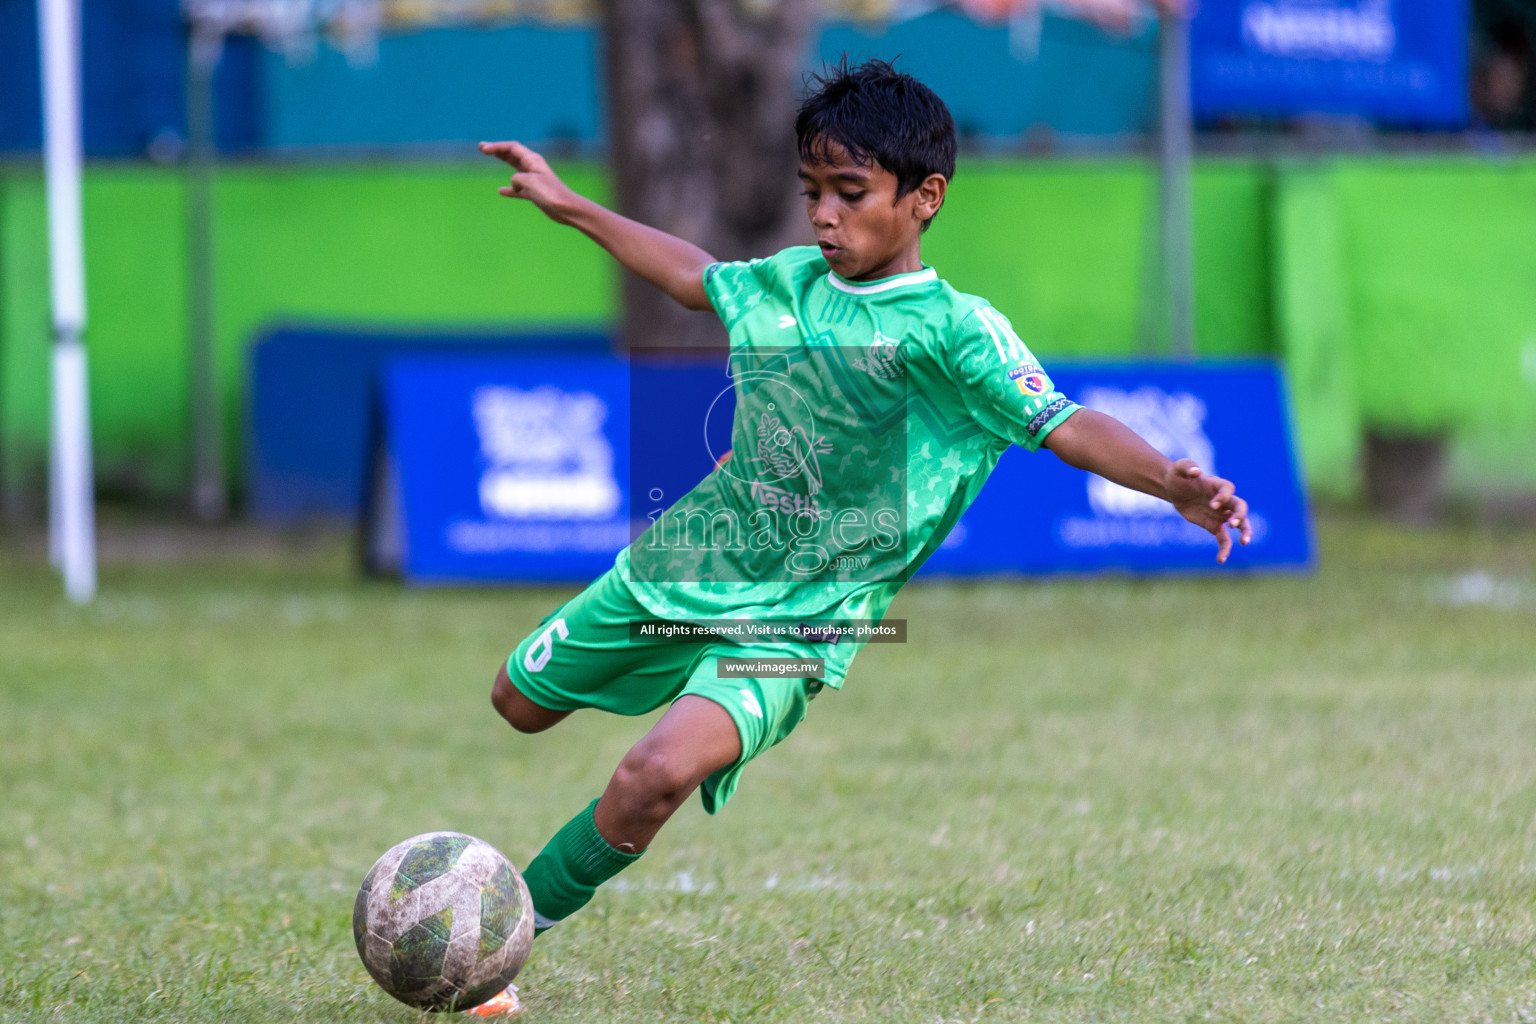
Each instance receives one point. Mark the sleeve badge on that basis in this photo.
(1030, 379)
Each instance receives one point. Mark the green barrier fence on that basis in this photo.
(1403, 293)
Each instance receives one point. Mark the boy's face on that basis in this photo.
(864, 230)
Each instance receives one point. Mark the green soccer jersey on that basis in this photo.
(868, 415)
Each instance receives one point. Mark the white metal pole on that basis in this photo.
(72, 527)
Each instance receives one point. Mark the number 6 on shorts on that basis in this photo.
(542, 649)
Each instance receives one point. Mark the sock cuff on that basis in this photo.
(590, 853)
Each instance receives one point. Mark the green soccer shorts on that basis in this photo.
(583, 656)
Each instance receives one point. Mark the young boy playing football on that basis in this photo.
(855, 366)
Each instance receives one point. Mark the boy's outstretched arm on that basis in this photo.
(668, 262)
(1102, 444)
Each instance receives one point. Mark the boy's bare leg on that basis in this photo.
(693, 740)
(520, 712)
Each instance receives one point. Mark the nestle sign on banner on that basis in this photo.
(1397, 61)
(1321, 32)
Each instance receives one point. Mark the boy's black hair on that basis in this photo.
(878, 115)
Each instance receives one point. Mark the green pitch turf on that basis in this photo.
(1230, 799)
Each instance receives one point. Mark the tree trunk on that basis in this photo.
(701, 100)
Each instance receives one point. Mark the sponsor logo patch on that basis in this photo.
(1030, 378)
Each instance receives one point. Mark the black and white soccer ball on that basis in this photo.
(443, 921)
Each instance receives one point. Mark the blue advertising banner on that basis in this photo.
(511, 468)
(1036, 514)
(1395, 61)
(311, 396)
(531, 467)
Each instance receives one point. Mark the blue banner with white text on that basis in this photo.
(521, 467)
(1401, 62)
(1036, 514)
(511, 467)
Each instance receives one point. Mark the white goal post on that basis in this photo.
(71, 502)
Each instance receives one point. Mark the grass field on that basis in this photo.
(1270, 799)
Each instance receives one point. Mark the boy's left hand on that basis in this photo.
(1209, 502)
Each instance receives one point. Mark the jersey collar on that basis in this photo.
(885, 284)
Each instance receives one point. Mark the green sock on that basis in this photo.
(564, 876)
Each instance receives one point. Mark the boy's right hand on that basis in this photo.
(1209, 502)
(672, 264)
(533, 180)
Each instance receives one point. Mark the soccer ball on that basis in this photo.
(443, 921)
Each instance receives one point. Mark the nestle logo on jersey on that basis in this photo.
(1031, 378)
(784, 500)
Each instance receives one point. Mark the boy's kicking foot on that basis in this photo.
(503, 1004)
